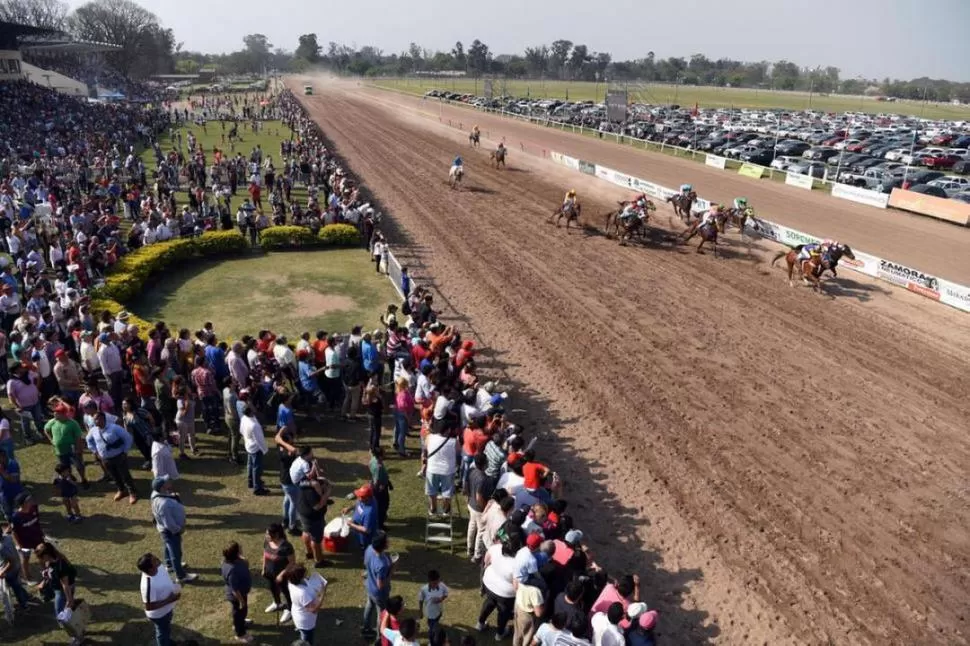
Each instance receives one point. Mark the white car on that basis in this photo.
(896, 154)
(846, 142)
(783, 162)
(949, 187)
(963, 181)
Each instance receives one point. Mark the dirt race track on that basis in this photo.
(780, 467)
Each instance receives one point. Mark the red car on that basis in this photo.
(942, 140)
(856, 148)
(940, 161)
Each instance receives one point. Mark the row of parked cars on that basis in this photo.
(876, 151)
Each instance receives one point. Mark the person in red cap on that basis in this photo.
(364, 519)
(67, 438)
(465, 354)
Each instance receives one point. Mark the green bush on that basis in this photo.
(340, 235)
(287, 237)
(128, 276)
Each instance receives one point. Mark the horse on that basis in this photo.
(455, 176)
(637, 226)
(682, 204)
(816, 264)
(739, 218)
(613, 218)
(570, 214)
(708, 233)
(497, 157)
(474, 138)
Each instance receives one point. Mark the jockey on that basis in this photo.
(569, 202)
(685, 189)
(810, 250)
(458, 162)
(475, 130)
(740, 204)
(501, 146)
(629, 211)
(710, 215)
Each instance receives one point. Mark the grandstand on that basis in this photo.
(56, 60)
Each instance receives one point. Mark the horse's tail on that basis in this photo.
(779, 256)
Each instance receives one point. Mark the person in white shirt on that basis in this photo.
(405, 635)
(149, 237)
(163, 233)
(255, 442)
(430, 597)
(606, 628)
(441, 451)
(284, 356)
(159, 594)
(306, 596)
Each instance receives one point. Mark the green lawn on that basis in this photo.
(290, 292)
(705, 97)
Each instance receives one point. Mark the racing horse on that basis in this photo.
(613, 221)
(682, 204)
(708, 233)
(497, 157)
(571, 214)
(474, 138)
(813, 268)
(739, 218)
(455, 176)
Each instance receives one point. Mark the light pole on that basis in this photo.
(912, 145)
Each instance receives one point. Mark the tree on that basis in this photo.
(536, 59)
(47, 14)
(479, 57)
(258, 50)
(578, 59)
(558, 55)
(416, 55)
(309, 48)
(458, 54)
(146, 47)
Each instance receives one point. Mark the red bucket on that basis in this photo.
(335, 544)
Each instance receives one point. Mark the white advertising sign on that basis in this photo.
(799, 180)
(955, 295)
(570, 162)
(860, 195)
(715, 161)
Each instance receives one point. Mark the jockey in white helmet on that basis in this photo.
(686, 188)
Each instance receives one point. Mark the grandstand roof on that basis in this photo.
(11, 34)
(69, 47)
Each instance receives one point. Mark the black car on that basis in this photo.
(820, 153)
(791, 148)
(916, 176)
(926, 189)
(961, 167)
(761, 156)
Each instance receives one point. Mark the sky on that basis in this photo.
(870, 38)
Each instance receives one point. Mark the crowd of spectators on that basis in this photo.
(95, 72)
(110, 397)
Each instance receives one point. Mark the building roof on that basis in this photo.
(12, 33)
(41, 46)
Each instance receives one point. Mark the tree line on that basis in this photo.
(147, 48)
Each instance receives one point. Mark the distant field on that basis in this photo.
(705, 97)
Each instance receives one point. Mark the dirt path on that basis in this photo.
(926, 244)
(761, 502)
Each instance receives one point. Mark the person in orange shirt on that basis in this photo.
(440, 337)
(319, 347)
(474, 439)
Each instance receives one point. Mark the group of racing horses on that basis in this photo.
(629, 222)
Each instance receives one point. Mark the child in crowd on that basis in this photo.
(67, 489)
(430, 598)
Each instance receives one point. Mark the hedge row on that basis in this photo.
(293, 237)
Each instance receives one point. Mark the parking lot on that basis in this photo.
(875, 151)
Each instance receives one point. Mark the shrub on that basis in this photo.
(287, 237)
(99, 304)
(340, 235)
(220, 242)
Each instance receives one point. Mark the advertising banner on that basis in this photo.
(955, 295)
(587, 168)
(570, 162)
(715, 161)
(860, 195)
(912, 279)
(936, 207)
(750, 170)
(801, 181)
(604, 173)
(557, 158)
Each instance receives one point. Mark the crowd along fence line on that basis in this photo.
(909, 278)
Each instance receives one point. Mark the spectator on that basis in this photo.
(643, 632)
(378, 568)
(140, 425)
(440, 474)
(405, 636)
(606, 626)
(235, 573)
(10, 485)
(24, 394)
(288, 455)
(312, 508)
(112, 442)
(307, 593)
(499, 568)
(529, 608)
(58, 578)
(403, 408)
(10, 567)
(27, 531)
(255, 444)
(389, 617)
(203, 377)
(479, 488)
(569, 605)
(159, 594)
(308, 378)
(163, 463)
(363, 522)
(375, 411)
(381, 483)
(230, 414)
(66, 436)
(625, 591)
(109, 358)
(169, 514)
(184, 417)
(430, 599)
(278, 556)
(353, 380)
(67, 490)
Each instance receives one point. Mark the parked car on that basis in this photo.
(896, 154)
(962, 197)
(927, 189)
(784, 162)
(942, 160)
(761, 156)
(916, 176)
(808, 167)
(961, 167)
(791, 147)
(948, 187)
(819, 154)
